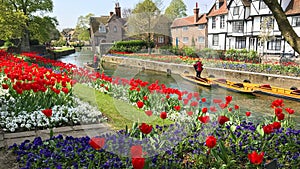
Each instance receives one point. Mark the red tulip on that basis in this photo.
(290, 111)
(228, 99)
(47, 112)
(256, 158)
(278, 110)
(276, 125)
(236, 107)
(145, 128)
(203, 99)
(211, 142)
(65, 90)
(204, 110)
(194, 104)
(280, 116)
(277, 103)
(145, 97)
(140, 104)
(248, 113)
(163, 115)
(189, 113)
(268, 129)
(177, 108)
(213, 109)
(148, 112)
(222, 119)
(138, 163)
(5, 86)
(97, 143)
(203, 119)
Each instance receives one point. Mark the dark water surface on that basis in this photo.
(258, 105)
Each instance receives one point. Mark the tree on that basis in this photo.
(11, 22)
(267, 26)
(30, 9)
(285, 27)
(81, 31)
(176, 9)
(142, 22)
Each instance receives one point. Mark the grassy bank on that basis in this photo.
(119, 113)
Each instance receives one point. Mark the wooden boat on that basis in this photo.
(90, 67)
(200, 81)
(277, 92)
(233, 86)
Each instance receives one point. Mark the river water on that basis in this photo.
(258, 105)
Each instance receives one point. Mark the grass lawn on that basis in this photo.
(119, 113)
(62, 49)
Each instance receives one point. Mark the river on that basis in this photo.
(258, 105)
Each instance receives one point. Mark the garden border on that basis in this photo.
(232, 75)
(8, 139)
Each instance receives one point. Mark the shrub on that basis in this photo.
(8, 44)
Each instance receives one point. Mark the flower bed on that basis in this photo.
(32, 85)
(207, 133)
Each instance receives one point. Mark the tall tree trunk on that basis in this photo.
(25, 46)
(284, 25)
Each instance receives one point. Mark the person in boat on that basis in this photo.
(198, 68)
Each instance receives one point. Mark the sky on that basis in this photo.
(68, 11)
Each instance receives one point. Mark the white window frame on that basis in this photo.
(240, 42)
(102, 29)
(274, 44)
(185, 39)
(161, 39)
(238, 26)
(215, 40)
(201, 39)
(222, 22)
(296, 21)
(236, 10)
(213, 24)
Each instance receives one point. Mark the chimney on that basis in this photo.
(111, 13)
(196, 13)
(118, 10)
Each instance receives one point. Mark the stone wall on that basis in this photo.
(233, 75)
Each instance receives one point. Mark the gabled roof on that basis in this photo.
(187, 21)
(293, 8)
(246, 2)
(215, 12)
(96, 21)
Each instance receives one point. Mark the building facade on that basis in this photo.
(190, 31)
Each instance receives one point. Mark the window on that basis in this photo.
(252, 43)
(214, 22)
(262, 5)
(102, 29)
(240, 42)
(296, 21)
(236, 10)
(185, 28)
(201, 39)
(222, 21)
(161, 39)
(115, 29)
(215, 40)
(185, 40)
(266, 23)
(202, 26)
(274, 44)
(238, 27)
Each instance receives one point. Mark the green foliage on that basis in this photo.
(41, 28)
(241, 55)
(130, 46)
(59, 43)
(11, 22)
(8, 44)
(176, 9)
(81, 31)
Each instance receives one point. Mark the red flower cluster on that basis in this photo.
(204, 119)
(177, 108)
(222, 119)
(163, 115)
(145, 128)
(256, 158)
(148, 112)
(47, 112)
(97, 143)
(211, 142)
(268, 129)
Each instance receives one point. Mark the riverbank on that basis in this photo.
(232, 75)
(59, 52)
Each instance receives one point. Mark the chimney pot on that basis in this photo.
(111, 13)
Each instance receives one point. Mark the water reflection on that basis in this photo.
(259, 105)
